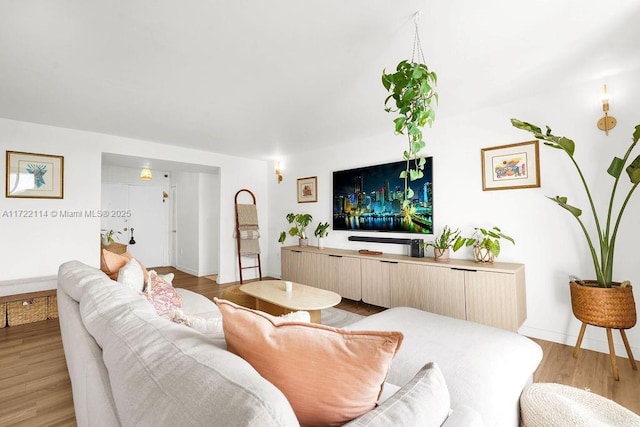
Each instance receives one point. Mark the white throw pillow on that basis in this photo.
(131, 275)
(424, 401)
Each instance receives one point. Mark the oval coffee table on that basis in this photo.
(271, 297)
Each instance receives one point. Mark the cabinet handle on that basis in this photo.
(390, 262)
(298, 252)
(336, 256)
(463, 269)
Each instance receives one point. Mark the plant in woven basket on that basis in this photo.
(602, 244)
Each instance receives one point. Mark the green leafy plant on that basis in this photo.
(412, 92)
(110, 236)
(605, 237)
(484, 239)
(445, 240)
(300, 223)
(321, 230)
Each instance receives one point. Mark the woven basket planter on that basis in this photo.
(483, 255)
(612, 307)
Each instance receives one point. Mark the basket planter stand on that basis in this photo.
(609, 308)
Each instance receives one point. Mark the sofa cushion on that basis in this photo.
(162, 373)
(329, 375)
(423, 401)
(111, 263)
(486, 368)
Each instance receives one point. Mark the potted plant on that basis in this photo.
(444, 243)
(321, 232)
(485, 242)
(412, 92)
(109, 236)
(600, 302)
(300, 223)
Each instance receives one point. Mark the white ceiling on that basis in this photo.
(262, 79)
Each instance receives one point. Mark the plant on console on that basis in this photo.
(300, 223)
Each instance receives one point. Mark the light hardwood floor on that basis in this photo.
(35, 389)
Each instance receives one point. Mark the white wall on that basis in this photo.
(34, 247)
(548, 240)
(209, 220)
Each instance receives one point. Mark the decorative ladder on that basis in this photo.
(247, 211)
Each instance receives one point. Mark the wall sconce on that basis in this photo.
(145, 174)
(279, 172)
(607, 122)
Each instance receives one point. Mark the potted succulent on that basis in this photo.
(444, 243)
(485, 242)
(300, 223)
(109, 236)
(412, 96)
(600, 302)
(321, 232)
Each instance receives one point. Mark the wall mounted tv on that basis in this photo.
(370, 198)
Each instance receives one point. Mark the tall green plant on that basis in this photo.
(412, 91)
(606, 236)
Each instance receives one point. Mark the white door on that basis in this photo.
(148, 223)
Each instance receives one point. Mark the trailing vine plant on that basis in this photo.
(412, 98)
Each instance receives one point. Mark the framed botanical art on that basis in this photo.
(308, 189)
(32, 175)
(511, 166)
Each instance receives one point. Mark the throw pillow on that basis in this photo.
(111, 263)
(329, 375)
(423, 401)
(162, 295)
(131, 275)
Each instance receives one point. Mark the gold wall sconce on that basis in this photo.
(279, 172)
(607, 122)
(145, 174)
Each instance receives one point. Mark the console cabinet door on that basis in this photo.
(300, 267)
(376, 276)
(496, 299)
(433, 289)
(342, 275)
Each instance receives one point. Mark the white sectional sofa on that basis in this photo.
(131, 367)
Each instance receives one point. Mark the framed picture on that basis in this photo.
(510, 166)
(308, 189)
(31, 175)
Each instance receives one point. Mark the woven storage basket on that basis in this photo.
(3, 315)
(27, 311)
(612, 307)
(52, 309)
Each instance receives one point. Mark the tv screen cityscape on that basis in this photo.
(371, 198)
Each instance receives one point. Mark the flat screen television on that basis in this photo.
(371, 198)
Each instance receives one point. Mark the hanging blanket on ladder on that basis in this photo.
(248, 229)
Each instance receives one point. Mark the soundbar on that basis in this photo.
(380, 240)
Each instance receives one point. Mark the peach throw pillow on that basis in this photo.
(111, 264)
(329, 375)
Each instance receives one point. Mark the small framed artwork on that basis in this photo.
(308, 189)
(511, 166)
(31, 175)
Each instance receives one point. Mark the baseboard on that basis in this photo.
(32, 284)
(588, 343)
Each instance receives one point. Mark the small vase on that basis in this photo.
(320, 242)
(105, 241)
(441, 255)
(483, 254)
(303, 243)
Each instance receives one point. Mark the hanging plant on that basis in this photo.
(412, 98)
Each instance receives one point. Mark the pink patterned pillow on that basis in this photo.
(162, 295)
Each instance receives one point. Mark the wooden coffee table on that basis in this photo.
(272, 298)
